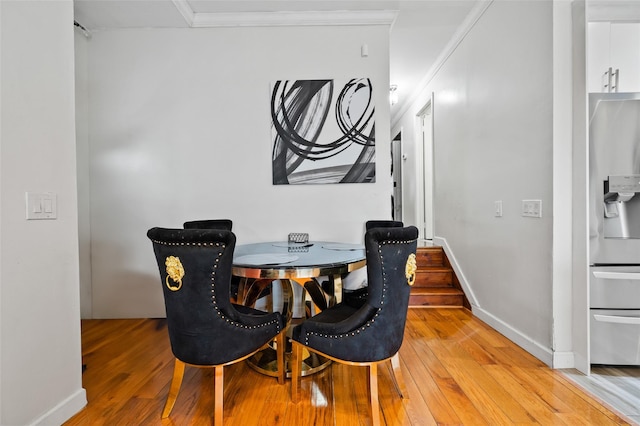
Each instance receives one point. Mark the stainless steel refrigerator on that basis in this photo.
(614, 228)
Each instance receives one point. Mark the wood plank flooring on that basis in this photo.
(458, 371)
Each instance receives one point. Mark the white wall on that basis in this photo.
(179, 129)
(40, 356)
(493, 141)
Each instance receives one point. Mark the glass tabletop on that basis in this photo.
(281, 259)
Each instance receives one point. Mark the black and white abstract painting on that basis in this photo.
(323, 131)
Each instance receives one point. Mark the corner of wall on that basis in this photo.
(552, 359)
(64, 410)
(544, 354)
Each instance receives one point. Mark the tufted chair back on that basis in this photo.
(355, 283)
(370, 224)
(370, 334)
(226, 224)
(374, 331)
(205, 328)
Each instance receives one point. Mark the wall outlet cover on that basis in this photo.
(532, 208)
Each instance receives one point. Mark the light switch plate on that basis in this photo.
(41, 205)
(497, 207)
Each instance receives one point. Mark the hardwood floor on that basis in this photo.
(458, 371)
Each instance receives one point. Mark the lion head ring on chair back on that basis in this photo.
(205, 328)
(373, 332)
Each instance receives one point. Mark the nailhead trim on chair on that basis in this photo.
(372, 320)
(215, 304)
(166, 243)
(213, 278)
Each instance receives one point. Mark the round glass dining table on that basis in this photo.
(259, 265)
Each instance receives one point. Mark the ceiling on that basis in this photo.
(420, 31)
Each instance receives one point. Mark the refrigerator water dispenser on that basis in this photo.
(622, 206)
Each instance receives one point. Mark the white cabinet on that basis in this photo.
(613, 57)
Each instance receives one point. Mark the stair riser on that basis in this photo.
(436, 300)
(431, 257)
(433, 279)
(436, 284)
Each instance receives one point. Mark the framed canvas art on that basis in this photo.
(323, 131)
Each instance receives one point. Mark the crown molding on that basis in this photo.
(185, 10)
(285, 18)
(468, 24)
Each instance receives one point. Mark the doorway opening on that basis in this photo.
(396, 177)
(425, 155)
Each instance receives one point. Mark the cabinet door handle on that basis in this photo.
(617, 319)
(617, 275)
(613, 77)
(608, 73)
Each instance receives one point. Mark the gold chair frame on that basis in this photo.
(218, 384)
(374, 402)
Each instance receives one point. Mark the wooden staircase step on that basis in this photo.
(436, 283)
(436, 297)
(434, 276)
(429, 256)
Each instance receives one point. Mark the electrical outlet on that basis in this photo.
(532, 208)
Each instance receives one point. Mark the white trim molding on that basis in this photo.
(185, 10)
(471, 297)
(462, 31)
(618, 11)
(563, 359)
(284, 18)
(539, 351)
(544, 354)
(64, 410)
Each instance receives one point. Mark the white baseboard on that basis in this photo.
(468, 291)
(563, 360)
(64, 410)
(544, 354)
(525, 342)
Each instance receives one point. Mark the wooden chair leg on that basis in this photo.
(176, 381)
(373, 394)
(218, 395)
(398, 378)
(280, 346)
(296, 370)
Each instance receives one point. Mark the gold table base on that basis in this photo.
(265, 362)
(254, 284)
